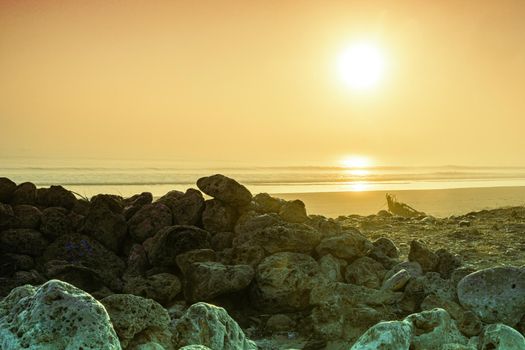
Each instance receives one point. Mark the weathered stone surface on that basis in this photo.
(82, 277)
(171, 241)
(148, 220)
(293, 211)
(22, 241)
(365, 272)
(495, 294)
(331, 267)
(55, 223)
(447, 262)
(298, 238)
(25, 193)
(218, 216)
(137, 262)
(7, 217)
(327, 226)
(247, 254)
(208, 280)
(470, 324)
(185, 260)
(265, 203)
(10, 263)
(134, 203)
(211, 326)
(221, 241)
(105, 221)
(195, 347)
(433, 329)
(186, 208)
(393, 335)
(138, 320)
(387, 247)
(433, 301)
(283, 282)
(162, 287)
(85, 251)
(397, 281)
(501, 337)
(7, 188)
(20, 278)
(225, 189)
(413, 269)
(419, 252)
(27, 215)
(351, 294)
(348, 246)
(54, 316)
(251, 221)
(56, 196)
(279, 323)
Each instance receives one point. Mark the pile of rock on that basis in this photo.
(161, 270)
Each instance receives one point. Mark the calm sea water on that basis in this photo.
(89, 177)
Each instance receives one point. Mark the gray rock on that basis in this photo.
(225, 189)
(218, 216)
(7, 188)
(25, 193)
(54, 316)
(208, 280)
(22, 241)
(331, 267)
(185, 260)
(27, 215)
(55, 223)
(56, 196)
(392, 335)
(501, 337)
(495, 294)
(293, 211)
(221, 241)
(267, 204)
(161, 287)
(138, 320)
(348, 246)
(279, 323)
(419, 252)
(148, 221)
(211, 326)
(413, 268)
(397, 281)
(187, 209)
(365, 272)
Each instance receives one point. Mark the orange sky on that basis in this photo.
(257, 81)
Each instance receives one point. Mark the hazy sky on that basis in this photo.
(257, 81)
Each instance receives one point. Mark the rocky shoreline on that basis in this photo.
(238, 271)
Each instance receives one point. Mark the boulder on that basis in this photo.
(20, 278)
(297, 238)
(495, 295)
(247, 254)
(365, 272)
(433, 329)
(208, 280)
(218, 216)
(27, 215)
(134, 203)
(163, 248)
(10, 263)
(137, 262)
(264, 203)
(392, 335)
(279, 323)
(79, 276)
(55, 223)
(138, 320)
(211, 326)
(420, 253)
(397, 281)
(55, 315)
(186, 207)
(332, 267)
(55, 196)
(348, 246)
(501, 337)
(251, 221)
(161, 287)
(470, 324)
(413, 269)
(148, 220)
(293, 211)
(185, 260)
(225, 189)
(25, 193)
(22, 241)
(7, 188)
(447, 262)
(327, 226)
(221, 241)
(283, 282)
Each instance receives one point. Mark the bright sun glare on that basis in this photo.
(362, 65)
(355, 162)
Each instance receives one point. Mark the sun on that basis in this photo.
(354, 162)
(362, 65)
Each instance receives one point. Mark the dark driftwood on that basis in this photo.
(401, 209)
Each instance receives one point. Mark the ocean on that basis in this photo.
(125, 178)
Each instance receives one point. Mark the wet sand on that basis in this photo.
(439, 203)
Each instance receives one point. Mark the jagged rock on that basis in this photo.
(85, 251)
(55, 315)
(137, 262)
(163, 248)
(27, 215)
(351, 294)
(105, 221)
(392, 335)
(7, 188)
(55, 223)
(495, 294)
(283, 282)
(185, 260)
(25, 193)
(447, 262)
(279, 323)
(293, 211)
(22, 241)
(365, 272)
(433, 329)
(387, 247)
(162, 287)
(251, 221)
(79, 276)
(222, 240)
(331, 267)
(501, 337)
(218, 216)
(433, 301)
(281, 238)
(55, 196)
(420, 253)
(247, 254)
(327, 226)
(225, 189)
(470, 324)
(186, 207)
(134, 203)
(138, 320)
(397, 281)
(348, 246)
(211, 326)
(148, 220)
(208, 280)
(267, 204)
